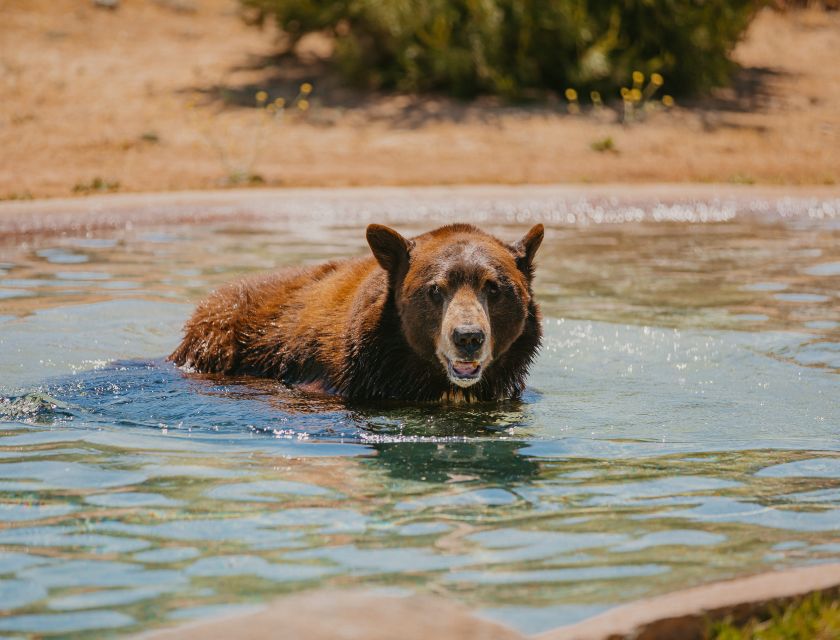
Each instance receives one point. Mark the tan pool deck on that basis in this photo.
(348, 615)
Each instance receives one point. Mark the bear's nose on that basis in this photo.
(468, 339)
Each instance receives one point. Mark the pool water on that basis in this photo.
(681, 425)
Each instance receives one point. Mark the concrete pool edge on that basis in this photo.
(327, 614)
(80, 214)
(684, 614)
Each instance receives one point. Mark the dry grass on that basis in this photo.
(95, 97)
(816, 617)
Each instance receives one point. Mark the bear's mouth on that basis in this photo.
(463, 372)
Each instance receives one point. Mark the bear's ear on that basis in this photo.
(389, 248)
(525, 250)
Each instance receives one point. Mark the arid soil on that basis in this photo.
(158, 95)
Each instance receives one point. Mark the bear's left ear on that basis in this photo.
(389, 248)
(525, 250)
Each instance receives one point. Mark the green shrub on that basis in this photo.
(816, 617)
(520, 47)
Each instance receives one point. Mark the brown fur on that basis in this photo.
(374, 328)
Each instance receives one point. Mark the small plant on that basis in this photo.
(111, 5)
(18, 195)
(178, 6)
(817, 617)
(604, 145)
(238, 152)
(572, 99)
(244, 179)
(638, 101)
(97, 185)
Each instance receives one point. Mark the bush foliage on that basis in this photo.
(520, 47)
(816, 617)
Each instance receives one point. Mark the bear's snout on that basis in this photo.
(468, 339)
(464, 341)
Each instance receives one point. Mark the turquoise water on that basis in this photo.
(682, 425)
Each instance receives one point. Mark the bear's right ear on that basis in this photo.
(389, 248)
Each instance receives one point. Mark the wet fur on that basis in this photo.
(343, 326)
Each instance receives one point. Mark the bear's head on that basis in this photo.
(463, 296)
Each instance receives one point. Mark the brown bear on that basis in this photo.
(447, 316)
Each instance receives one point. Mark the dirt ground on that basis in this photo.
(158, 95)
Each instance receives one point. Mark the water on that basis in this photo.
(681, 425)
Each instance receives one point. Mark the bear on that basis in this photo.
(447, 316)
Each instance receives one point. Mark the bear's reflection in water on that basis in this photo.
(485, 461)
(456, 443)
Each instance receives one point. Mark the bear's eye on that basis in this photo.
(492, 289)
(434, 292)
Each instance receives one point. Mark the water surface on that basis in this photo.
(680, 426)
